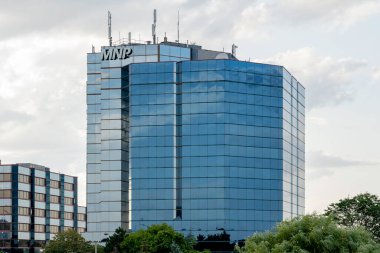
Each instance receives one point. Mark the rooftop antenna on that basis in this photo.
(154, 26)
(92, 50)
(129, 38)
(109, 28)
(178, 28)
(234, 49)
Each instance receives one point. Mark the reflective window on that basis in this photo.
(24, 179)
(5, 194)
(5, 177)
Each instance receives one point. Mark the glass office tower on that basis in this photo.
(193, 138)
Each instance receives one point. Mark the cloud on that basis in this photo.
(321, 164)
(376, 73)
(328, 80)
(330, 14)
(43, 102)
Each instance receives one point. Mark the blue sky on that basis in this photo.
(331, 46)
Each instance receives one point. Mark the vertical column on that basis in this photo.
(47, 209)
(14, 242)
(61, 202)
(32, 206)
(178, 145)
(76, 203)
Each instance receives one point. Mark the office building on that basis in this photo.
(191, 137)
(35, 204)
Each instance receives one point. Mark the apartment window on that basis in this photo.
(69, 201)
(54, 229)
(54, 199)
(81, 217)
(40, 181)
(23, 211)
(81, 230)
(54, 214)
(39, 228)
(5, 226)
(5, 177)
(67, 228)
(69, 187)
(24, 179)
(39, 212)
(5, 194)
(23, 227)
(39, 197)
(5, 210)
(23, 195)
(69, 216)
(54, 184)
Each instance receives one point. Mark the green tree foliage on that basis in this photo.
(362, 210)
(67, 242)
(311, 233)
(157, 239)
(113, 242)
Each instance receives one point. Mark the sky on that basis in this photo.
(330, 46)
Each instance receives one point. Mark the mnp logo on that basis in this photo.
(116, 53)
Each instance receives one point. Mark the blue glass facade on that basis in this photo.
(207, 144)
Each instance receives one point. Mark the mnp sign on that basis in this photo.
(116, 53)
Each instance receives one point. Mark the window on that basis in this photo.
(67, 228)
(5, 194)
(23, 211)
(69, 187)
(39, 228)
(24, 179)
(54, 229)
(5, 226)
(5, 177)
(54, 214)
(69, 201)
(40, 181)
(23, 227)
(69, 216)
(81, 230)
(39, 213)
(5, 210)
(23, 195)
(39, 197)
(54, 199)
(81, 216)
(54, 184)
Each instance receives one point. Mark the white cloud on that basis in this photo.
(376, 73)
(327, 80)
(329, 14)
(43, 103)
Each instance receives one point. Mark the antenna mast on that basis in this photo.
(178, 28)
(109, 28)
(154, 26)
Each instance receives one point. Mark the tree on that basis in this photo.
(362, 210)
(67, 242)
(157, 239)
(311, 233)
(113, 242)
